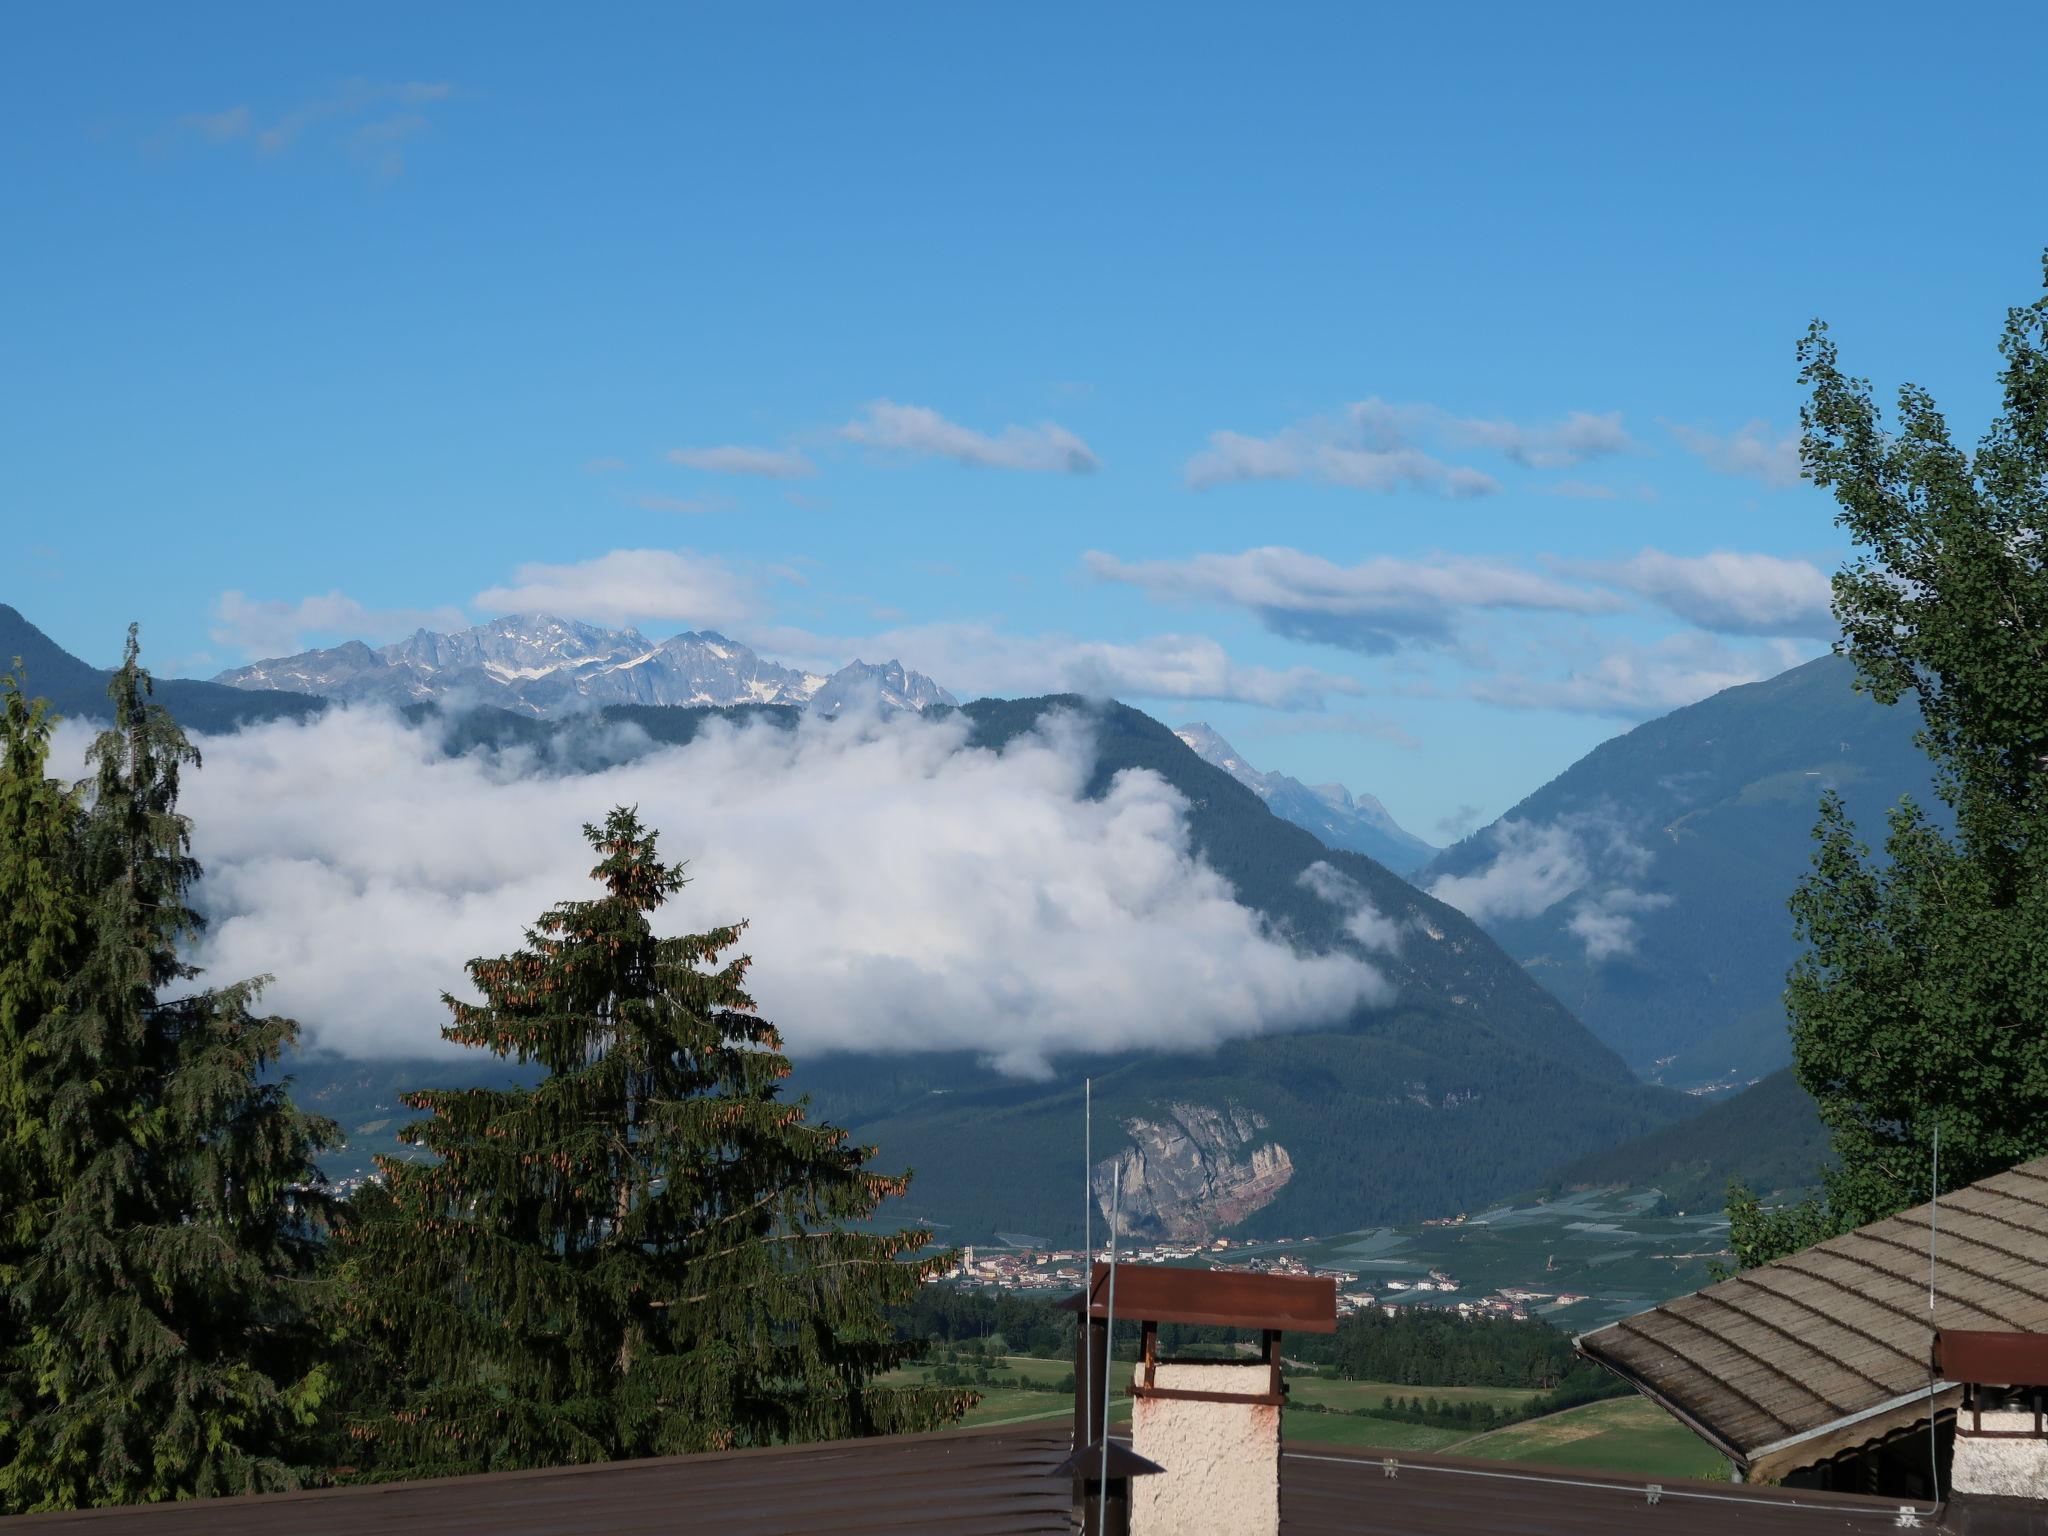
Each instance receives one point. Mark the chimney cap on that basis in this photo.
(1989, 1359)
(1215, 1298)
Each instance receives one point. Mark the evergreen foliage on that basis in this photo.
(163, 1350)
(1921, 1003)
(40, 924)
(651, 1251)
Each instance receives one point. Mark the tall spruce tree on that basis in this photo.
(650, 1252)
(166, 1348)
(1921, 1002)
(40, 924)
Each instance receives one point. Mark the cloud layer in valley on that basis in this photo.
(1589, 859)
(907, 892)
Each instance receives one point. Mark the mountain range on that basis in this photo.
(1642, 891)
(1340, 819)
(538, 664)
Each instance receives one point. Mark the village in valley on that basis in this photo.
(1020, 1267)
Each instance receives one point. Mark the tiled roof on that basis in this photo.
(981, 1481)
(1835, 1341)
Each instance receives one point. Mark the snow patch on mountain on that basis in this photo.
(542, 665)
(1355, 823)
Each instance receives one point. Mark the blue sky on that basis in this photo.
(1374, 384)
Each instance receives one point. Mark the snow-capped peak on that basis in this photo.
(541, 664)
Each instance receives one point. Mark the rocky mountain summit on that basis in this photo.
(541, 665)
(1341, 819)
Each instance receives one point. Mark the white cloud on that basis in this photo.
(733, 459)
(1302, 454)
(1372, 445)
(271, 627)
(1535, 865)
(923, 433)
(1533, 868)
(627, 586)
(1729, 591)
(1606, 923)
(1374, 606)
(1362, 920)
(975, 660)
(904, 889)
(1633, 681)
(1593, 490)
(1755, 451)
(396, 111)
(1580, 436)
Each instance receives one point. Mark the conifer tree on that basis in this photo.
(1921, 1003)
(650, 1252)
(166, 1343)
(39, 929)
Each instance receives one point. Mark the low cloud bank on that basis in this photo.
(907, 892)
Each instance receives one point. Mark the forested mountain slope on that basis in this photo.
(1768, 1135)
(1646, 886)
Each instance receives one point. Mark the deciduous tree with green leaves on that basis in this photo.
(165, 1350)
(650, 1252)
(1921, 1001)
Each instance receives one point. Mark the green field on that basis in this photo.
(1622, 1434)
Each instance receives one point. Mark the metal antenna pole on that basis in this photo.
(1116, 1206)
(1087, 1240)
(1933, 1212)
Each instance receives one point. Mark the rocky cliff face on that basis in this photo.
(1193, 1171)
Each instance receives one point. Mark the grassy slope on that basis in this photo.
(1621, 1434)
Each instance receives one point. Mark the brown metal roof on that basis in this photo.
(1217, 1298)
(1332, 1492)
(985, 1480)
(1779, 1362)
(996, 1482)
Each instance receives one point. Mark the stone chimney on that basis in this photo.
(1998, 1479)
(1205, 1434)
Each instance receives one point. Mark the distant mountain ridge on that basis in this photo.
(1355, 823)
(78, 691)
(538, 664)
